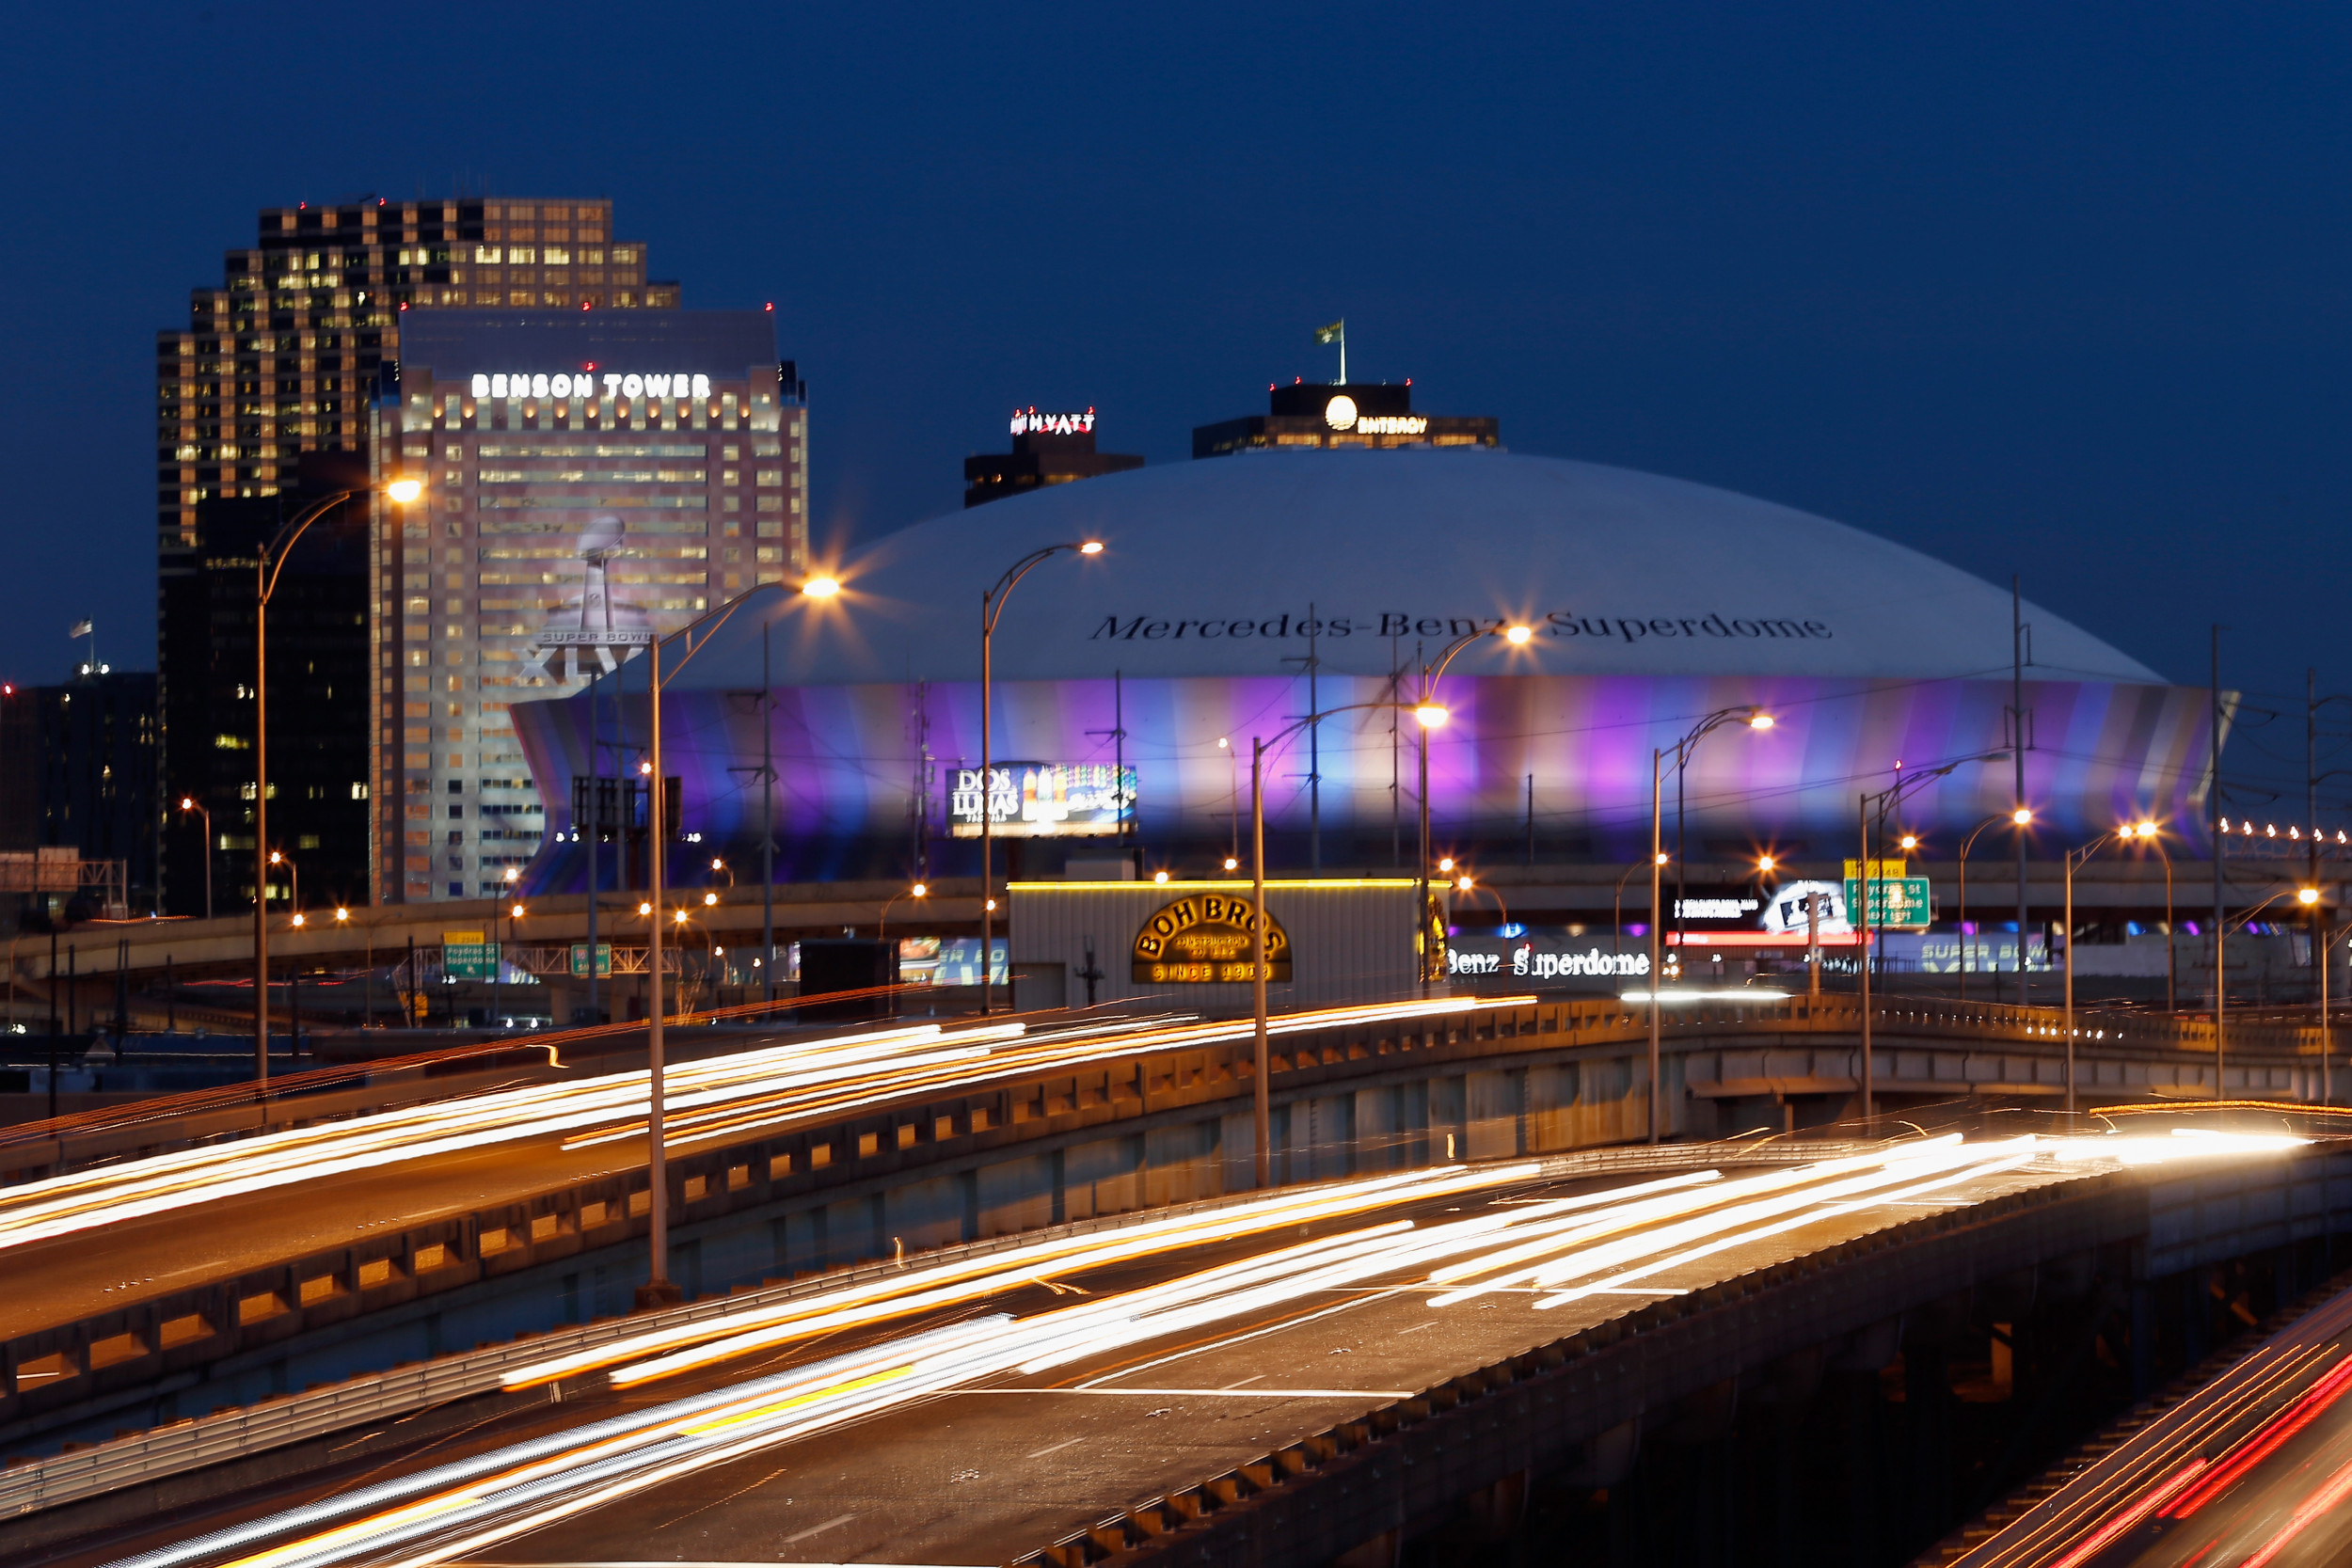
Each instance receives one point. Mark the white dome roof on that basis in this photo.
(1211, 567)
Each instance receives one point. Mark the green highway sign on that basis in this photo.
(1897, 903)
(580, 960)
(469, 961)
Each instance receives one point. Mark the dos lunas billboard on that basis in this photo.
(1044, 799)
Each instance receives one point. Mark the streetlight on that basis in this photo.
(1469, 884)
(188, 803)
(294, 882)
(991, 608)
(268, 565)
(498, 975)
(657, 1291)
(1233, 797)
(2129, 833)
(1755, 719)
(1888, 801)
(2146, 833)
(2021, 817)
(1432, 715)
(1616, 927)
(1261, 1112)
(920, 889)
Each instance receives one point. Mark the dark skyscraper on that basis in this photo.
(319, 695)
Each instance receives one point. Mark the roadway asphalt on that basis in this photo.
(1016, 1460)
(65, 1277)
(261, 1201)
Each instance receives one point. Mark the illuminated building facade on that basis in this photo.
(592, 479)
(1335, 417)
(277, 359)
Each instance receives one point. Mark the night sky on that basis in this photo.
(2060, 290)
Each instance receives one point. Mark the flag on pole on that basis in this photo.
(1333, 333)
(81, 628)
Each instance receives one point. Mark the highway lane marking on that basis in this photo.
(1056, 1448)
(818, 1529)
(1246, 1382)
(1416, 1328)
(1253, 1333)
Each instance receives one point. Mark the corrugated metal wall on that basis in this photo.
(1351, 941)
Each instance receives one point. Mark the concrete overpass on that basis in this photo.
(1322, 1375)
(937, 1142)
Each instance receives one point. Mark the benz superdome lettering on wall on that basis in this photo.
(1558, 623)
(584, 385)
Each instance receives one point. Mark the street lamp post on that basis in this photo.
(188, 803)
(1755, 719)
(657, 1291)
(2021, 817)
(1431, 716)
(271, 561)
(2146, 833)
(2073, 859)
(993, 607)
(920, 889)
(498, 975)
(1887, 801)
(1616, 904)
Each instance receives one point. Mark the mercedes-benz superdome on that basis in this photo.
(1231, 598)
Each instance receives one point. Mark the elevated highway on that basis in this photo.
(1315, 1375)
(403, 1226)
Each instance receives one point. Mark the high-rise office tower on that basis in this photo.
(591, 480)
(281, 358)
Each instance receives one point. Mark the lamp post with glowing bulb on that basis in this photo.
(1432, 715)
(1755, 719)
(657, 1291)
(1616, 918)
(498, 974)
(271, 561)
(188, 803)
(1262, 1115)
(2020, 816)
(1887, 801)
(920, 889)
(2309, 897)
(991, 608)
(2147, 832)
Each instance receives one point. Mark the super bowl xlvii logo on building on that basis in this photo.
(594, 621)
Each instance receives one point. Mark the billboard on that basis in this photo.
(1045, 799)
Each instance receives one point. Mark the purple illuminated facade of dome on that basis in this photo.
(1653, 602)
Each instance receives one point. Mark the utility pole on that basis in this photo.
(1312, 665)
(2212, 829)
(2017, 744)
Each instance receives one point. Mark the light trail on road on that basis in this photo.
(733, 1096)
(1631, 1232)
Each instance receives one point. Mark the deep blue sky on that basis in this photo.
(2058, 290)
